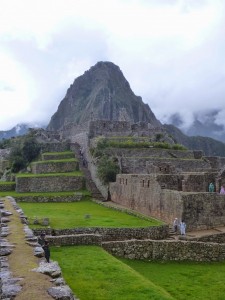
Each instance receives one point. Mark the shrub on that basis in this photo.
(30, 149)
(107, 169)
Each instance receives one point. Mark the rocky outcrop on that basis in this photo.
(101, 93)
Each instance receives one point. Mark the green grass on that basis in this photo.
(50, 194)
(93, 274)
(57, 153)
(55, 161)
(70, 215)
(185, 280)
(7, 182)
(76, 173)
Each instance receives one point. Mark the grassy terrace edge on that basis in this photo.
(68, 174)
(54, 161)
(44, 194)
(57, 153)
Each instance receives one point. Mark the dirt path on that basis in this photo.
(22, 261)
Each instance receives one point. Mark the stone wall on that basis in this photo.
(79, 239)
(7, 186)
(44, 198)
(111, 234)
(54, 183)
(51, 156)
(54, 167)
(145, 194)
(186, 182)
(166, 250)
(55, 147)
(212, 238)
(139, 165)
(4, 164)
(203, 210)
(152, 152)
(216, 162)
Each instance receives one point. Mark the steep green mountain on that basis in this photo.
(101, 93)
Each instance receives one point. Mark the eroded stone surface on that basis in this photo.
(50, 269)
(61, 293)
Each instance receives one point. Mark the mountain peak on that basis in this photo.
(103, 93)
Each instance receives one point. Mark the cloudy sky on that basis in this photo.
(172, 52)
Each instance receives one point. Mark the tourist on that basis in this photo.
(182, 228)
(41, 239)
(222, 190)
(175, 225)
(211, 187)
(47, 251)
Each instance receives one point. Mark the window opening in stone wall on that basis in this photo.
(148, 183)
(143, 183)
(126, 181)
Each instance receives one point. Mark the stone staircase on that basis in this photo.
(89, 182)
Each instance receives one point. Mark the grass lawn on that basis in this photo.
(70, 215)
(93, 274)
(185, 280)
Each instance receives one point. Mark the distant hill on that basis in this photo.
(101, 93)
(209, 146)
(18, 130)
(204, 124)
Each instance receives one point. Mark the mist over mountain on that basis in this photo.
(18, 130)
(204, 124)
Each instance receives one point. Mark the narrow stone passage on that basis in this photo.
(22, 261)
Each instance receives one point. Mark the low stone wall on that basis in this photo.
(7, 186)
(79, 239)
(212, 238)
(111, 234)
(43, 199)
(137, 165)
(51, 156)
(54, 167)
(166, 250)
(56, 183)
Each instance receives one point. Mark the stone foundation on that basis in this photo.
(145, 194)
(54, 183)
